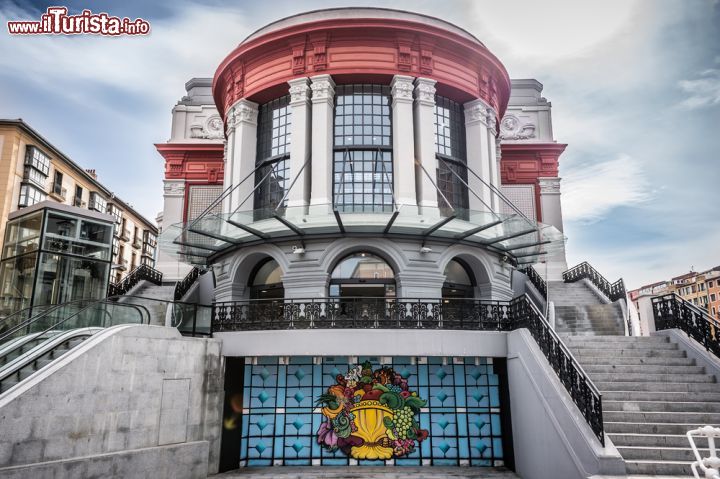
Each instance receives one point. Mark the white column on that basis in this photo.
(424, 115)
(323, 99)
(242, 142)
(401, 89)
(550, 206)
(493, 158)
(478, 154)
(173, 208)
(299, 194)
(228, 165)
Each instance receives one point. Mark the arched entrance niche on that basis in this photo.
(459, 280)
(362, 274)
(265, 280)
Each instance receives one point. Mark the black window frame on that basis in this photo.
(363, 174)
(451, 154)
(272, 178)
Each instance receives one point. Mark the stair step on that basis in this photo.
(633, 339)
(646, 368)
(620, 427)
(590, 344)
(660, 406)
(587, 361)
(656, 386)
(660, 453)
(650, 377)
(660, 396)
(653, 440)
(662, 417)
(632, 353)
(676, 468)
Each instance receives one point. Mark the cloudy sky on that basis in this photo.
(635, 87)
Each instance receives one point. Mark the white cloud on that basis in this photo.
(703, 91)
(592, 191)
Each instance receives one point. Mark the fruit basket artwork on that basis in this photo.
(371, 414)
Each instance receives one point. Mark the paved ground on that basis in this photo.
(369, 473)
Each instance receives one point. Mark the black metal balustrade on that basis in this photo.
(536, 280)
(183, 286)
(613, 291)
(578, 384)
(405, 313)
(671, 311)
(142, 272)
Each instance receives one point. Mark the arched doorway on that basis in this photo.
(459, 280)
(265, 281)
(362, 275)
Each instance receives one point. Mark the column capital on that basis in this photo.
(173, 188)
(323, 89)
(476, 112)
(299, 91)
(242, 111)
(549, 185)
(401, 89)
(425, 91)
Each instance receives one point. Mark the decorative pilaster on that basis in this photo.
(323, 99)
(493, 170)
(173, 207)
(242, 144)
(550, 207)
(478, 154)
(424, 116)
(299, 194)
(401, 89)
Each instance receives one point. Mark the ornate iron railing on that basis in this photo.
(671, 311)
(405, 313)
(183, 286)
(361, 313)
(613, 291)
(536, 280)
(142, 272)
(578, 384)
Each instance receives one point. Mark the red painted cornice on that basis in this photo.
(358, 49)
(197, 162)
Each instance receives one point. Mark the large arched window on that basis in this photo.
(265, 281)
(362, 165)
(459, 281)
(273, 153)
(362, 275)
(451, 156)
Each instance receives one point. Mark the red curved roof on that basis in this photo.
(355, 50)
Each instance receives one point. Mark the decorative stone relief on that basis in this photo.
(242, 112)
(511, 128)
(211, 130)
(476, 111)
(491, 122)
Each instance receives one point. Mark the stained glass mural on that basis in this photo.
(281, 415)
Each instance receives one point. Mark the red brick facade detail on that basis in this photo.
(524, 163)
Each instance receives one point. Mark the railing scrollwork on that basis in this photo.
(671, 311)
(142, 272)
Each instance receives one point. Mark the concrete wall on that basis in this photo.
(550, 435)
(136, 393)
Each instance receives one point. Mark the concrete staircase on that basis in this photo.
(580, 311)
(652, 395)
(144, 293)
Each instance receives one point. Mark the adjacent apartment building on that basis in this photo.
(699, 288)
(33, 170)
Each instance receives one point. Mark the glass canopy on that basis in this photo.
(199, 241)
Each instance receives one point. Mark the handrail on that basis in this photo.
(613, 291)
(183, 286)
(142, 272)
(671, 311)
(416, 313)
(577, 382)
(536, 280)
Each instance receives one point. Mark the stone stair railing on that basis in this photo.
(613, 291)
(142, 272)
